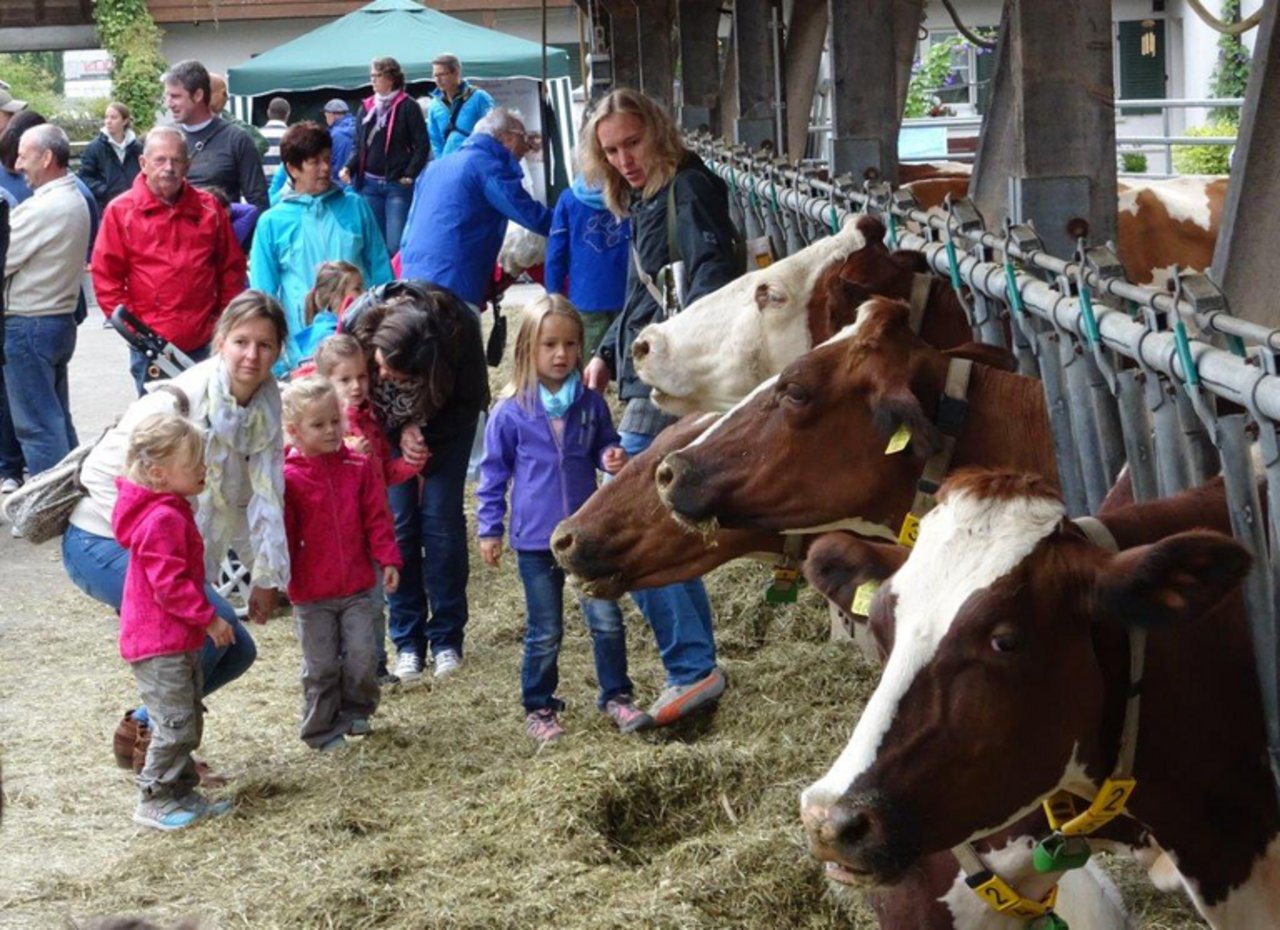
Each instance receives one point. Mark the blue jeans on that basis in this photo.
(430, 606)
(97, 564)
(544, 597)
(389, 201)
(37, 352)
(679, 614)
(138, 366)
(11, 461)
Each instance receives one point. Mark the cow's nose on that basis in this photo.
(665, 475)
(562, 541)
(844, 825)
(640, 349)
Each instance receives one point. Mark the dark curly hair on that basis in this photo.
(418, 330)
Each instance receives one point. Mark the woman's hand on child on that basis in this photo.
(358, 444)
(390, 578)
(262, 604)
(221, 632)
(614, 458)
(412, 446)
(491, 551)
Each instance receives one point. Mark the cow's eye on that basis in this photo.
(794, 394)
(1005, 642)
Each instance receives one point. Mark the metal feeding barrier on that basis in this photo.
(1125, 380)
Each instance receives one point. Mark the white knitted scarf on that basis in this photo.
(252, 432)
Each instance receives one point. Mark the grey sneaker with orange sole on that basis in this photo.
(679, 701)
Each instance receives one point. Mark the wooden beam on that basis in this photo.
(806, 34)
(865, 116)
(194, 11)
(657, 61)
(699, 63)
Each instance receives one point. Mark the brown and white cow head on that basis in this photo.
(708, 357)
(996, 691)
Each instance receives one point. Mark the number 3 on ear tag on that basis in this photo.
(899, 440)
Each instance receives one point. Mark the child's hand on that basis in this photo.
(491, 551)
(390, 578)
(614, 458)
(221, 632)
(358, 444)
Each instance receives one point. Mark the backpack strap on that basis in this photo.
(455, 110)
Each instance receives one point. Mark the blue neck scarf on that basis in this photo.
(558, 404)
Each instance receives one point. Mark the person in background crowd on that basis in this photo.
(314, 222)
(220, 153)
(587, 258)
(340, 541)
(633, 153)
(544, 442)
(244, 216)
(432, 385)
(234, 400)
(218, 104)
(110, 162)
(11, 464)
(390, 150)
(8, 106)
(455, 107)
(49, 236)
(277, 122)
(462, 205)
(167, 252)
(342, 132)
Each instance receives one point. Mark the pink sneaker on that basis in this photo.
(626, 715)
(543, 726)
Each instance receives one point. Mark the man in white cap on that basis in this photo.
(342, 128)
(8, 106)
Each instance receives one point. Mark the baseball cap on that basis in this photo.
(8, 104)
(337, 105)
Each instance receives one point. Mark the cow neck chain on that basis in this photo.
(1055, 854)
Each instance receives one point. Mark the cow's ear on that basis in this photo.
(1174, 580)
(838, 563)
(910, 260)
(871, 227)
(770, 295)
(899, 409)
(983, 354)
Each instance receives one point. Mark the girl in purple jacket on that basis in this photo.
(547, 437)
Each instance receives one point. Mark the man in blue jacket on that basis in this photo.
(342, 127)
(455, 107)
(461, 205)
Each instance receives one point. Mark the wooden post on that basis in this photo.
(657, 61)
(865, 116)
(754, 64)
(699, 24)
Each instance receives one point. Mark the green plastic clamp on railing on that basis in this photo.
(953, 261)
(1058, 853)
(1091, 333)
(1011, 288)
(1183, 344)
(835, 220)
(1236, 345)
(892, 227)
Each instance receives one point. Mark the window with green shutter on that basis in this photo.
(1140, 47)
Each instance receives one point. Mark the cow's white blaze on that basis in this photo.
(966, 544)
(1185, 198)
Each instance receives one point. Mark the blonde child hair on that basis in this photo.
(334, 280)
(156, 440)
(524, 377)
(301, 394)
(337, 348)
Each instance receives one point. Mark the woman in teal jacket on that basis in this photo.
(314, 222)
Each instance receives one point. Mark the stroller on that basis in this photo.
(164, 359)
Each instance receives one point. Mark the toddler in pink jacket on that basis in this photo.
(338, 525)
(164, 614)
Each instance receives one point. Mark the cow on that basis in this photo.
(1165, 223)
(1007, 630)
(809, 447)
(711, 355)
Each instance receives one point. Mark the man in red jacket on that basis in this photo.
(167, 252)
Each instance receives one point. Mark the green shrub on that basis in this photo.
(131, 36)
(1133, 162)
(1204, 159)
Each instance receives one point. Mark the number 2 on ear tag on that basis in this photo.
(898, 441)
(862, 598)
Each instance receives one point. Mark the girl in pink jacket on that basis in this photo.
(338, 525)
(165, 615)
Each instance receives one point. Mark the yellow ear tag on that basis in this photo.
(910, 531)
(898, 441)
(862, 598)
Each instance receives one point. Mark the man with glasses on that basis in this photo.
(455, 106)
(461, 206)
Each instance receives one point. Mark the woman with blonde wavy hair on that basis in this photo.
(632, 151)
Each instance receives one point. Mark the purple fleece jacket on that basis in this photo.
(552, 477)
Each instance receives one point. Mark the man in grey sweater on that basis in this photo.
(221, 154)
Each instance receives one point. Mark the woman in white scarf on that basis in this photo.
(234, 400)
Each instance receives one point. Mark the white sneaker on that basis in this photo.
(448, 661)
(408, 668)
(9, 485)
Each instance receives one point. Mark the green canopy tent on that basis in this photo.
(333, 61)
(338, 54)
